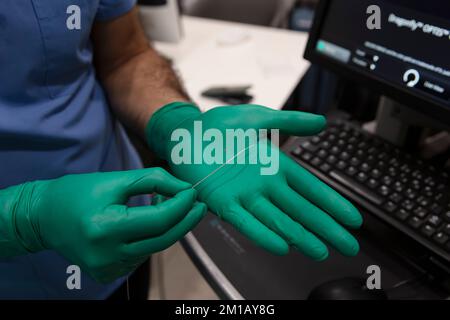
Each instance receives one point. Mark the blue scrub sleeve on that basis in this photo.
(111, 9)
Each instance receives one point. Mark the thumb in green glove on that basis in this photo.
(85, 218)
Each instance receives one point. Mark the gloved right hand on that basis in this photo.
(290, 207)
(85, 218)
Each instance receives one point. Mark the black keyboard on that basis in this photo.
(401, 189)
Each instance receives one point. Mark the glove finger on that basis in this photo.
(151, 180)
(151, 221)
(253, 229)
(157, 199)
(320, 194)
(294, 233)
(162, 242)
(315, 220)
(295, 123)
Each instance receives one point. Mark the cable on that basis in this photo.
(222, 166)
(128, 289)
(160, 273)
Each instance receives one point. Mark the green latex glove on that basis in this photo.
(85, 218)
(290, 208)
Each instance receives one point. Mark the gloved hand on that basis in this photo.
(291, 207)
(85, 218)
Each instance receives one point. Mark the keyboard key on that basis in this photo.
(325, 145)
(372, 183)
(428, 230)
(420, 212)
(435, 221)
(335, 150)
(375, 173)
(416, 185)
(447, 216)
(351, 148)
(396, 197)
(417, 174)
(341, 165)
(415, 222)
(306, 156)
(398, 186)
(402, 214)
(393, 172)
(440, 238)
(355, 161)
(335, 129)
(430, 181)
(424, 202)
(362, 145)
(405, 168)
(362, 177)
(365, 167)
(383, 156)
(390, 207)
(447, 229)
(403, 179)
(353, 140)
(371, 159)
(332, 159)
(384, 190)
(387, 180)
(381, 164)
(441, 198)
(345, 156)
(309, 147)
(316, 162)
(325, 167)
(322, 154)
(297, 152)
(410, 193)
(315, 140)
(351, 171)
(408, 205)
(394, 163)
(428, 191)
(343, 135)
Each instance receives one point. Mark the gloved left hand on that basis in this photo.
(290, 208)
(85, 218)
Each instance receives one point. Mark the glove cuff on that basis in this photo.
(19, 234)
(161, 125)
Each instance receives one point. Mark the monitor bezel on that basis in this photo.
(396, 92)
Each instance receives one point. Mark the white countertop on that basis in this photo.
(216, 53)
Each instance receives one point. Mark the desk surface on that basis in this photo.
(215, 53)
(236, 269)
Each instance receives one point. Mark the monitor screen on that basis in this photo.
(402, 44)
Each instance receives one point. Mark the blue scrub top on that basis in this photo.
(54, 120)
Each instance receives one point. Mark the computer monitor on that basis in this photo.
(405, 55)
